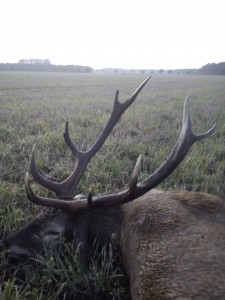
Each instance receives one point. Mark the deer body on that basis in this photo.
(174, 248)
(172, 243)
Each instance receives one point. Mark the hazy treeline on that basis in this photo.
(44, 67)
(213, 69)
(38, 65)
(209, 69)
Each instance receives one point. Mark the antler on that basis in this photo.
(66, 188)
(186, 140)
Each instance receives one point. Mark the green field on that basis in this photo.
(34, 108)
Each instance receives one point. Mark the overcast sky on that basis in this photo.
(165, 34)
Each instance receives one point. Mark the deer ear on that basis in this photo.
(80, 240)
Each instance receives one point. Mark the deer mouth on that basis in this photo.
(14, 258)
(16, 255)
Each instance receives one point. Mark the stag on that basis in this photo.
(172, 242)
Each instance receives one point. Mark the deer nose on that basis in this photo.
(14, 258)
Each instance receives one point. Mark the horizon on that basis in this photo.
(109, 68)
(133, 35)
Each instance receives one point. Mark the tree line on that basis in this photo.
(213, 69)
(33, 65)
(39, 65)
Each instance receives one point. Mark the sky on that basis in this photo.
(132, 34)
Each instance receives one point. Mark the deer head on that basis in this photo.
(78, 217)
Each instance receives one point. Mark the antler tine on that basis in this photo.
(38, 177)
(135, 174)
(69, 143)
(187, 126)
(118, 110)
(66, 188)
(186, 140)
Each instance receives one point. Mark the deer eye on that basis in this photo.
(51, 237)
(52, 232)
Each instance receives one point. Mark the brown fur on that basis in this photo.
(173, 246)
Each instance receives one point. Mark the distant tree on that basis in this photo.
(22, 61)
(213, 69)
(47, 61)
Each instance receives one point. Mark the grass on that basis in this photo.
(34, 108)
(59, 275)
